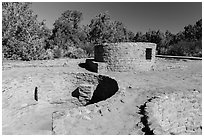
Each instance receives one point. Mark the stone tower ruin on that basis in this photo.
(123, 57)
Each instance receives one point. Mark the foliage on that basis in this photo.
(184, 43)
(66, 30)
(68, 36)
(99, 29)
(154, 37)
(23, 37)
(76, 53)
(184, 48)
(57, 52)
(103, 29)
(138, 37)
(48, 54)
(193, 32)
(89, 49)
(120, 32)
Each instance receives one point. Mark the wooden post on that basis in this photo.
(36, 94)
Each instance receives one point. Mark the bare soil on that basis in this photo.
(119, 114)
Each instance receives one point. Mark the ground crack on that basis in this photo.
(144, 119)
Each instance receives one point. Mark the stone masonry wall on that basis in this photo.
(125, 56)
(176, 114)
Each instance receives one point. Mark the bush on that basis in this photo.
(186, 48)
(57, 52)
(48, 54)
(76, 53)
(89, 49)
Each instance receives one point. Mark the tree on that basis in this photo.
(103, 29)
(193, 32)
(131, 36)
(187, 42)
(198, 28)
(69, 38)
(154, 37)
(100, 29)
(167, 40)
(190, 33)
(21, 31)
(120, 33)
(138, 37)
(66, 30)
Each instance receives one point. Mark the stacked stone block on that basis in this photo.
(85, 93)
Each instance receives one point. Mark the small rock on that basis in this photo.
(74, 112)
(196, 91)
(122, 88)
(87, 111)
(84, 110)
(86, 118)
(68, 114)
(24, 105)
(100, 112)
(122, 101)
(166, 97)
(64, 64)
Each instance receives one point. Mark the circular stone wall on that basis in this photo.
(126, 56)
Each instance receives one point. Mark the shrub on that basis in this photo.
(48, 54)
(76, 53)
(89, 49)
(186, 48)
(57, 52)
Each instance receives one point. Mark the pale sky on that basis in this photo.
(137, 16)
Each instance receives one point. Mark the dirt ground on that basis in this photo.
(118, 115)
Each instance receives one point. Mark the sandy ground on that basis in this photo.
(116, 115)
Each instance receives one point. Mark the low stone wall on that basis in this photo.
(125, 56)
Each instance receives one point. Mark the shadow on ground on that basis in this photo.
(89, 65)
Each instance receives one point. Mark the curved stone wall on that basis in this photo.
(176, 114)
(126, 56)
(57, 88)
